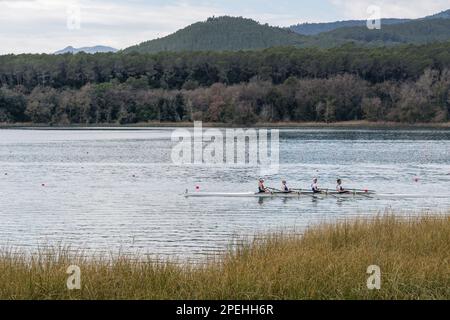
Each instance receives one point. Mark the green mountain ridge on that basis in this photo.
(237, 33)
(414, 32)
(440, 15)
(311, 29)
(222, 34)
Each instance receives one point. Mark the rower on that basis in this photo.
(340, 188)
(315, 186)
(284, 187)
(261, 187)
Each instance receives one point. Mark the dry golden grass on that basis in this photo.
(327, 262)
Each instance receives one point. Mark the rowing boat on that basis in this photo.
(305, 194)
(296, 194)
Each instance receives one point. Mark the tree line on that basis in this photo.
(338, 98)
(404, 84)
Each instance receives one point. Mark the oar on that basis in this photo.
(300, 191)
(366, 193)
(333, 195)
(321, 192)
(280, 191)
(359, 192)
(272, 190)
(362, 190)
(304, 191)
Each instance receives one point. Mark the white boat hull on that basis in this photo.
(273, 195)
(307, 194)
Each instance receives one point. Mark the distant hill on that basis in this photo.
(310, 29)
(414, 32)
(237, 33)
(317, 28)
(95, 49)
(222, 34)
(440, 15)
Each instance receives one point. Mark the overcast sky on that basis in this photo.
(49, 25)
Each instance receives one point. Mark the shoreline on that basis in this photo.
(276, 125)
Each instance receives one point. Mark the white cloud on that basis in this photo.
(357, 9)
(41, 25)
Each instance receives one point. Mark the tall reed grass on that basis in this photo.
(329, 261)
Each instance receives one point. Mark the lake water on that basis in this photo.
(110, 190)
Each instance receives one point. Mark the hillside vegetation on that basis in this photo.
(222, 34)
(415, 32)
(237, 33)
(311, 29)
(403, 84)
(316, 28)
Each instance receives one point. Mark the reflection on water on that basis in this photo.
(105, 190)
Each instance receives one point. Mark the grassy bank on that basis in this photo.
(327, 262)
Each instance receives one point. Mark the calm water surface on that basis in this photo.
(110, 190)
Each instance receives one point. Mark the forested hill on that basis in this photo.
(316, 28)
(222, 34)
(310, 29)
(414, 32)
(234, 34)
(440, 15)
